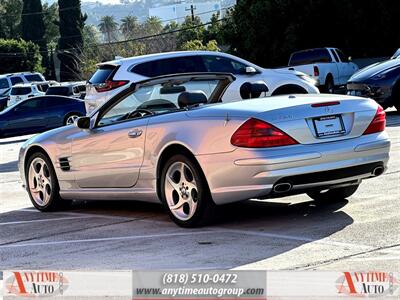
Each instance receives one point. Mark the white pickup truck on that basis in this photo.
(328, 66)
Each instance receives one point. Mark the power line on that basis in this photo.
(38, 12)
(162, 21)
(15, 54)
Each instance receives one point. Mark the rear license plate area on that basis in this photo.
(327, 126)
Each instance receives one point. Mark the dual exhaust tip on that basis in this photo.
(378, 171)
(284, 187)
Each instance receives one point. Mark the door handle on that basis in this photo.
(135, 133)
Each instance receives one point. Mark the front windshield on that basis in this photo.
(155, 99)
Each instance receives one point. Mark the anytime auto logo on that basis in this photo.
(367, 284)
(36, 283)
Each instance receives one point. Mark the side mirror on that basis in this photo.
(83, 122)
(250, 70)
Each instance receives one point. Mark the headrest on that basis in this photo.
(191, 98)
(250, 90)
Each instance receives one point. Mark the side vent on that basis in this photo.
(64, 164)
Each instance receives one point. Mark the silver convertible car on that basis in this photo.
(170, 139)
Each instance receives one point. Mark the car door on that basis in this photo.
(111, 153)
(28, 117)
(346, 68)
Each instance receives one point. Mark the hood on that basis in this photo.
(285, 71)
(374, 69)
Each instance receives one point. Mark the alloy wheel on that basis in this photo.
(181, 191)
(40, 185)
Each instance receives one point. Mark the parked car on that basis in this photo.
(328, 66)
(4, 97)
(24, 91)
(73, 89)
(9, 80)
(380, 81)
(164, 140)
(114, 76)
(39, 114)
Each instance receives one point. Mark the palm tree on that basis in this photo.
(108, 27)
(153, 25)
(129, 26)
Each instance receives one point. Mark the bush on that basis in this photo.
(198, 45)
(19, 56)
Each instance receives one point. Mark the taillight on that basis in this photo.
(316, 71)
(255, 133)
(109, 85)
(322, 104)
(378, 123)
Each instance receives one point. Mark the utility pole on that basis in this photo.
(192, 8)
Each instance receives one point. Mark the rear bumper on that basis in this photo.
(248, 173)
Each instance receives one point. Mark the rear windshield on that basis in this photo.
(20, 91)
(16, 80)
(309, 57)
(101, 74)
(58, 90)
(34, 77)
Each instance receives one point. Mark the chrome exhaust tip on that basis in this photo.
(282, 187)
(378, 171)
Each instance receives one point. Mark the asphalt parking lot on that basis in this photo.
(361, 233)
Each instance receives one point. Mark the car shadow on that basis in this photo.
(244, 233)
(11, 166)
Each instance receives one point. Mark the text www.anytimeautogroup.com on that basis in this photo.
(200, 292)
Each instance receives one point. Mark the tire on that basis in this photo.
(42, 184)
(186, 198)
(70, 118)
(333, 195)
(329, 86)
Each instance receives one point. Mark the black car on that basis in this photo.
(380, 81)
(39, 114)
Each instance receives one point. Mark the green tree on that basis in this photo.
(10, 19)
(70, 44)
(51, 21)
(129, 27)
(266, 32)
(18, 56)
(152, 26)
(33, 28)
(198, 45)
(213, 31)
(192, 30)
(108, 26)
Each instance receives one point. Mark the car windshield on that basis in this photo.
(156, 99)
